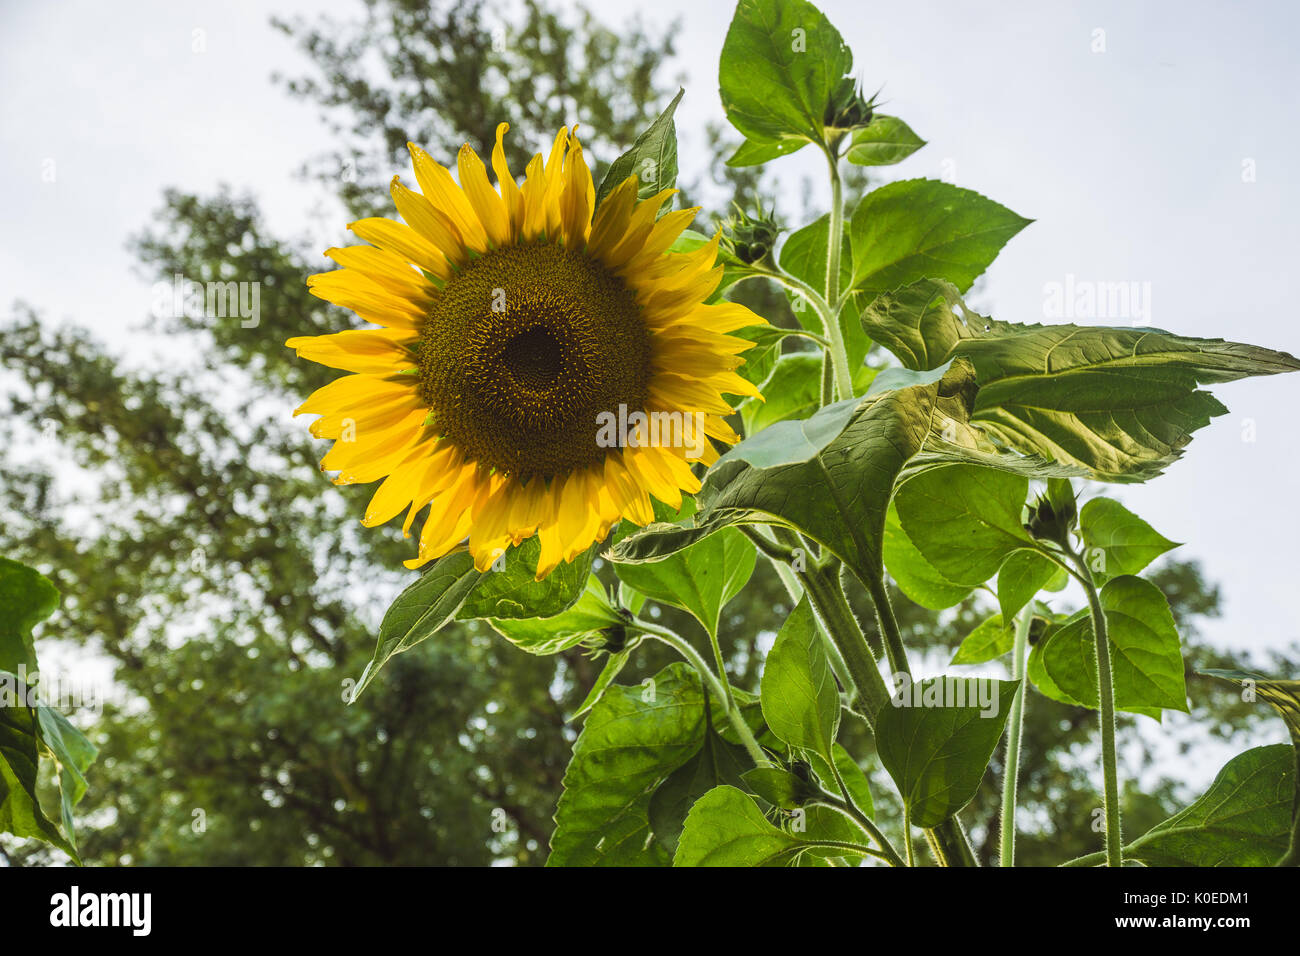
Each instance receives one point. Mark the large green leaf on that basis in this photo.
(27, 597)
(1145, 652)
(781, 61)
(937, 744)
(915, 576)
(801, 702)
(884, 141)
(420, 611)
(1119, 402)
(920, 228)
(652, 158)
(964, 520)
(716, 764)
(700, 579)
(756, 154)
(590, 614)
(1118, 541)
(514, 592)
(727, 828)
(632, 740)
(831, 476)
(1244, 819)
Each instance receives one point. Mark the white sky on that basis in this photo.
(1130, 160)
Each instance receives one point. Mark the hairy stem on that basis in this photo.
(1106, 706)
(1015, 727)
(834, 245)
(822, 583)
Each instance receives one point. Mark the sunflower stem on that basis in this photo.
(1015, 726)
(834, 246)
(1106, 708)
(830, 324)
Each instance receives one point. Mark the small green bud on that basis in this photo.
(847, 107)
(1051, 521)
(749, 238)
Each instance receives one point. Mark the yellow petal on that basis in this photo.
(577, 199)
(487, 205)
(387, 270)
(611, 219)
(404, 241)
(379, 351)
(510, 194)
(430, 222)
(441, 190)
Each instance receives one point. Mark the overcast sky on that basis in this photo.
(1154, 143)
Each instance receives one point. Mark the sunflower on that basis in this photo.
(514, 329)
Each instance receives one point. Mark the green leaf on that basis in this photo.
(915, 576)
(20, 808)
(884, 141)
(514, 592)
(801, 702)
(700, 579)
(762, 358)
(756, 154)
(73, 755)
(855, 780)
(1119, 402)
(604, 680)
(919, 228)
(1023, 574)
(420, 611)
(964, 520)
(717, 763)
(937, 746)
(588, 616)
(781, 61)
(778, 786)
(1244, 819)
(631, 741)
(27, 597)
(792, 391)
(652, 159)
(1117, 540)
(726, 828)
(1146, 656)
(990, 639)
